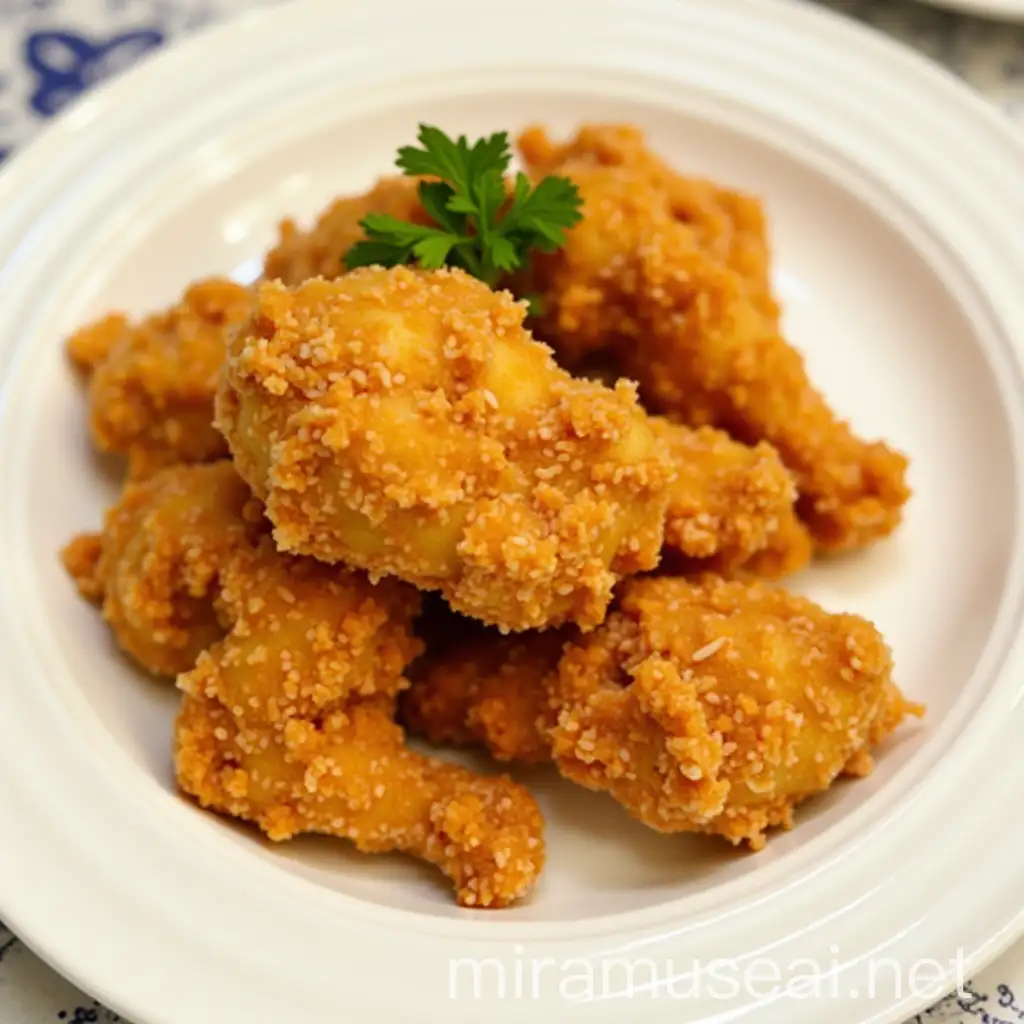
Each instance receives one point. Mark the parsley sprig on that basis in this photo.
(479, 224)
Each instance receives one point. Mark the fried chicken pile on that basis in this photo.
(370, 501)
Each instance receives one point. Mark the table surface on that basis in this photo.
(53, 50)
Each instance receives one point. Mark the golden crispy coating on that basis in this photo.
(156, 564)
(476, 687)
(710, 357)
(351, 775)
(729, 226)
(728, 504)
(718, 707)
(586, 288)
(629, 194)
(405, 422)
(710, 707)
(788, 551)
(288, 723)
(300, 255)
(81, 558)
(303, 636)
(153, 382)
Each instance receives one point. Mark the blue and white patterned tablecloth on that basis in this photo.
(53, 50)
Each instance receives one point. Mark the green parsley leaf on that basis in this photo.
(545, 213)
(503, 254)
(391, 242)
(375, 253)
(385, 227)
(435, 197)
(432, 250)
(481, 225)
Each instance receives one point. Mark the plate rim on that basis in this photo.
(120, 93)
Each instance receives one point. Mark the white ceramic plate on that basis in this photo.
(1008, 10)
(898, 260)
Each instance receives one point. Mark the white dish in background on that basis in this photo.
(897, 266)
(1007, 10)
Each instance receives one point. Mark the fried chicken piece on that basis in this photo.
(404, 422)
(288, 723)
(152, 383)
(352, 776)
(737, 702)
(709, 357)
(155, 566)
(712, 707)
(685, 304)
(729, 504)
(629, 195)
(319, 252)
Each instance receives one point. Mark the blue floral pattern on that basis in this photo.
(64, 64)
(52, 51)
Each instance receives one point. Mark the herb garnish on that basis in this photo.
(480, 225)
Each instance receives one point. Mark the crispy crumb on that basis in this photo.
(731, 507)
